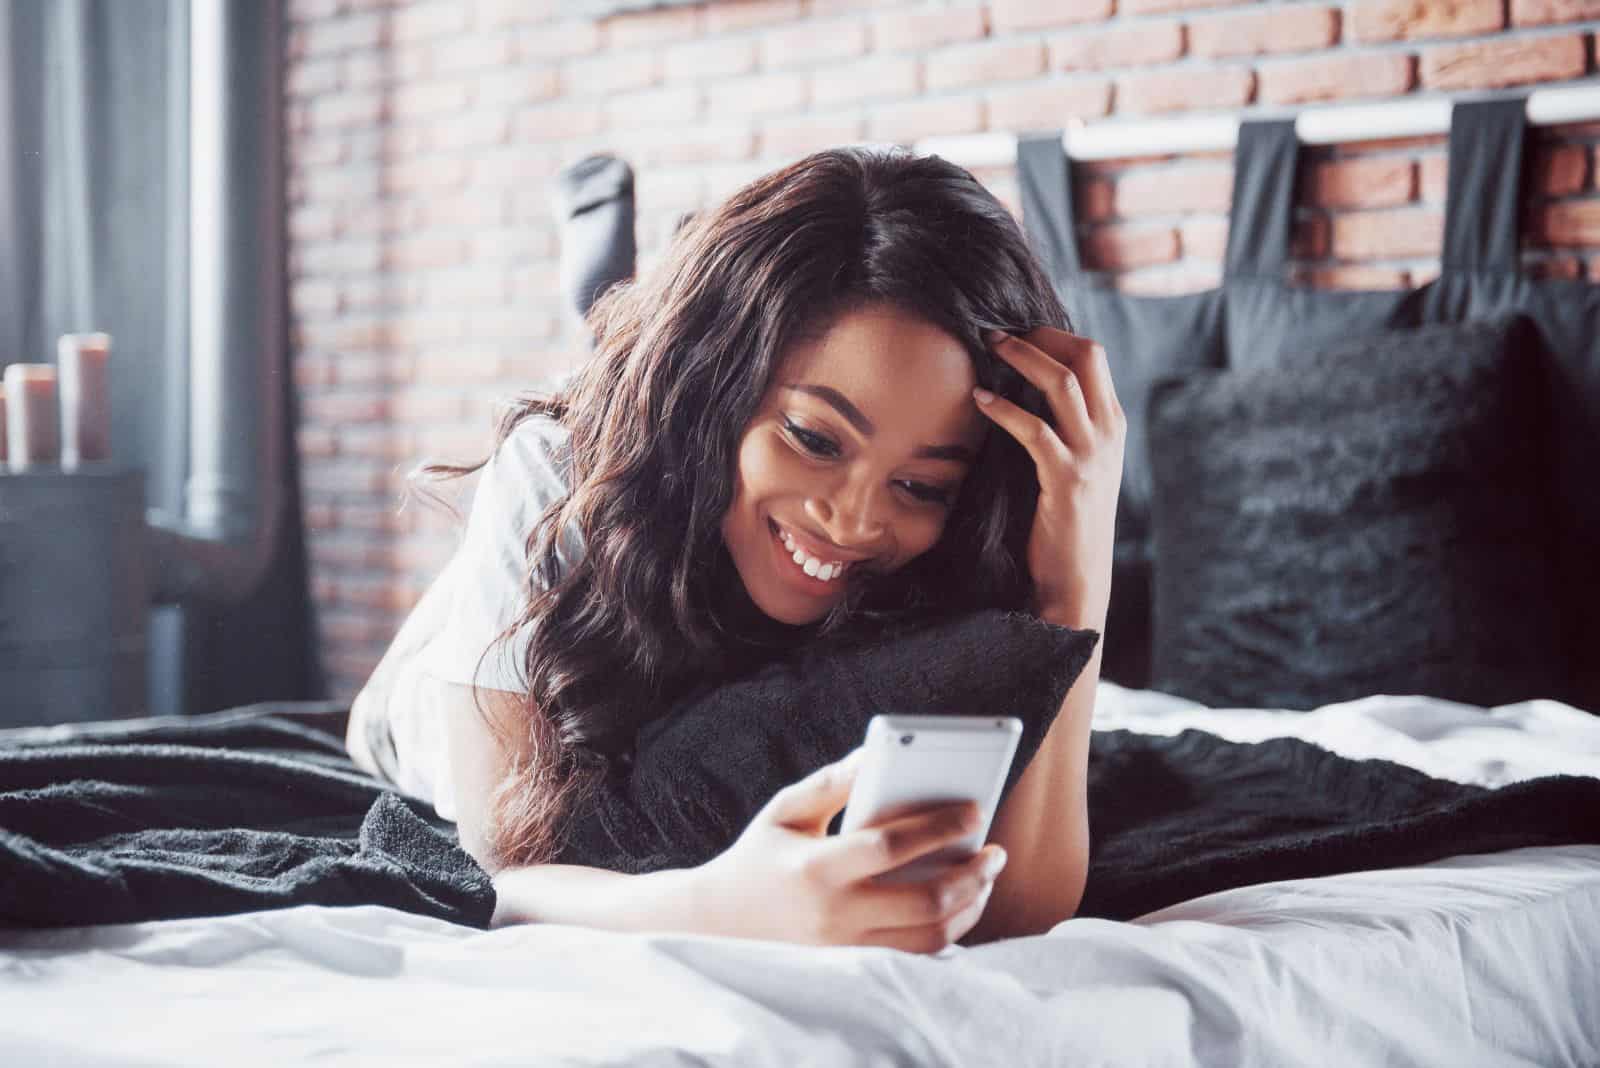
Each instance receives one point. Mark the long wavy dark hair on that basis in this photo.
(654, 609)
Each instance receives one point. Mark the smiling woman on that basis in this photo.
(775, 441)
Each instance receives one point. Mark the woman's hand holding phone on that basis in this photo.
(786, 879)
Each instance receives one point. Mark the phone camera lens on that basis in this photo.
(906, 739)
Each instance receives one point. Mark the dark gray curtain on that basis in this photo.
(94, 235)
(94, 103)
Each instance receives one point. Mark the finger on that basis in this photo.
(930, 901)
(1088, 359)
(869, 851)
(1049, 452)
(811, 803)
(1059, 383)
(932, 937)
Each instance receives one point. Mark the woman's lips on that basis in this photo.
(796, 574)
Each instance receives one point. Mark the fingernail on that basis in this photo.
(994, 864)
(983, 395)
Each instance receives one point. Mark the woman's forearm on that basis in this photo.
(1044, 825)
(595, 897)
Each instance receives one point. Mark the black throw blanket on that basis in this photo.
(259, 808)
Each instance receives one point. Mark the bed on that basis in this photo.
(1471, 959)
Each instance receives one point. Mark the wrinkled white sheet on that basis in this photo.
(1471, 960)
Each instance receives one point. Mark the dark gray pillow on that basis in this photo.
(1371, 518)
(700, 773)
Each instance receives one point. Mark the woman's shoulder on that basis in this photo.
(535, 455)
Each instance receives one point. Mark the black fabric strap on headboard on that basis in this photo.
(1262, 213)
(1482, 224)
(1044, 175)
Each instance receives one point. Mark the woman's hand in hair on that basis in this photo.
(1078, 453)
(786, 879)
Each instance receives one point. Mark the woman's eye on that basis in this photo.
(815, 444)
(931, 494)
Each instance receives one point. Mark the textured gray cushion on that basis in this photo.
(1371, 518)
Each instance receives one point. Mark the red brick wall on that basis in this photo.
(423, 137)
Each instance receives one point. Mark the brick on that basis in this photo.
(1309, 237)
(469, 54)
(1139, 45)
(911, 120)
(335, 111)
(313, 10)
(652, 107)
(710, 59)
(313, 77)
(701, 143)
(338, 477)
(1170, 281)
(1118, 247)
(365, 70)
(1169, 190)
(476, 129)
(427, 100)
(795, 137)
(635, 28)
(316, 441)
(765, 94)
(1410, 20)
(1156, 7)
(1560, 170)
(1093, 199)
(611, 73)
(1336, 77)
(320, 517)
(425, 22)
(430, 173)
(311, 222)
(558, 40)
(460, 364)
(314, 298)
(518, 84)
(729, 16)
(1546, 267)
(309, 150)
(1394, 234)
(337, 258)
(1567, 223)
(362, 407)
(813, 41)
(353, 33)
(872, 78)
(1546, 12)
(424, 251)
(1356, 276)
(1182, 90)
(509, 12)
(1510, 61)
(1433, 177)
(1204, 238)
(1008, 15)
(1049, 105)
(919, 31)
(992, 61)
(557, 122)
(1256, 33)
(1372, 182)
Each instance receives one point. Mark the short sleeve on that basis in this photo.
(526, 474)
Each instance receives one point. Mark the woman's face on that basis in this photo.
(835, 459)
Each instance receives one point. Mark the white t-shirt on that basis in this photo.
(528, 472)
(483, 592)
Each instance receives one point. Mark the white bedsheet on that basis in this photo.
(1471, 960)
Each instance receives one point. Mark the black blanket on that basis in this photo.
(260, 808)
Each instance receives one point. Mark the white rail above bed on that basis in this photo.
(1338, 124)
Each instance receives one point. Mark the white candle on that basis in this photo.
(85, 397)
(2, 425)
(31, 436)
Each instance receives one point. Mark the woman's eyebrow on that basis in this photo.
(958, 453)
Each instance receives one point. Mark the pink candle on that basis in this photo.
(31, 436)
(85, 397)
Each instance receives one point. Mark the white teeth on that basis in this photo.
(810, 564)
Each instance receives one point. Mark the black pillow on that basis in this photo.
(700, 773)
(1371, 518)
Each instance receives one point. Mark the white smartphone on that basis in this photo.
(915, 761)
